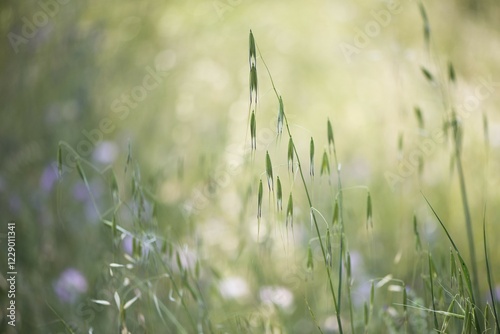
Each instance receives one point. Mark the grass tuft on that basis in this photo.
(427, 27)
(491, 288)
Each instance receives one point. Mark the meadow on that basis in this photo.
(250, 167)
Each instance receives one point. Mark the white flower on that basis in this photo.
(277, 295)
(233, 288)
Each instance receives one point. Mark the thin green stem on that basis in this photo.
(431, 274)
(341, 222)
(488, 273)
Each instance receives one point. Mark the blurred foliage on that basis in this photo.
(155, 94)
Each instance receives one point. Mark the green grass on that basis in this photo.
(180, 234)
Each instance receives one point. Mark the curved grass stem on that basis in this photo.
(309, 201)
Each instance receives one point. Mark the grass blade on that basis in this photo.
(331, 142)
(418, 244)
(463, 266)
(335, 218)
(313, 317)
(253, 84)
(485, 130)
(451, 73)
(488, 272)
(369, 220)
(311, 157)
(453, 268)
(259, 201)
(420, 118)
(428, 75)
(431, 276)
(309, 201)
(329, 255)
(310, 262)
(427, 29)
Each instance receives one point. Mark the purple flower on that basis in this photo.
(80, 192)
(48, 178)
(70, 284)
(127, 244)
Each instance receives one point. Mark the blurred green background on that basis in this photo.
(155, 94)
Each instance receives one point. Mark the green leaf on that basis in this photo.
(290, 155)
(59, 160)
(491, 286)
(431, 275)
(418, 244)
(253, 131)
(311, 157)
(113, 226)
(369, 220)
(419, 116)
(427, 28)
(451, 72)
(197, 270)
(259, 201)
(405, 298)
(453, 267)
(129, 157)
(114, 187)
(427, 74)
(279, 194)
(463, 266)
(348, 267)
(80, 171)
(329, 255)
(372, 295)
(310, 262)
(253, 84)
(179, 262)
(325, 165)
(331, 142)
(335, 212)
(366, 315)
(289, 212)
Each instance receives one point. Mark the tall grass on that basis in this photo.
(163, 285)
